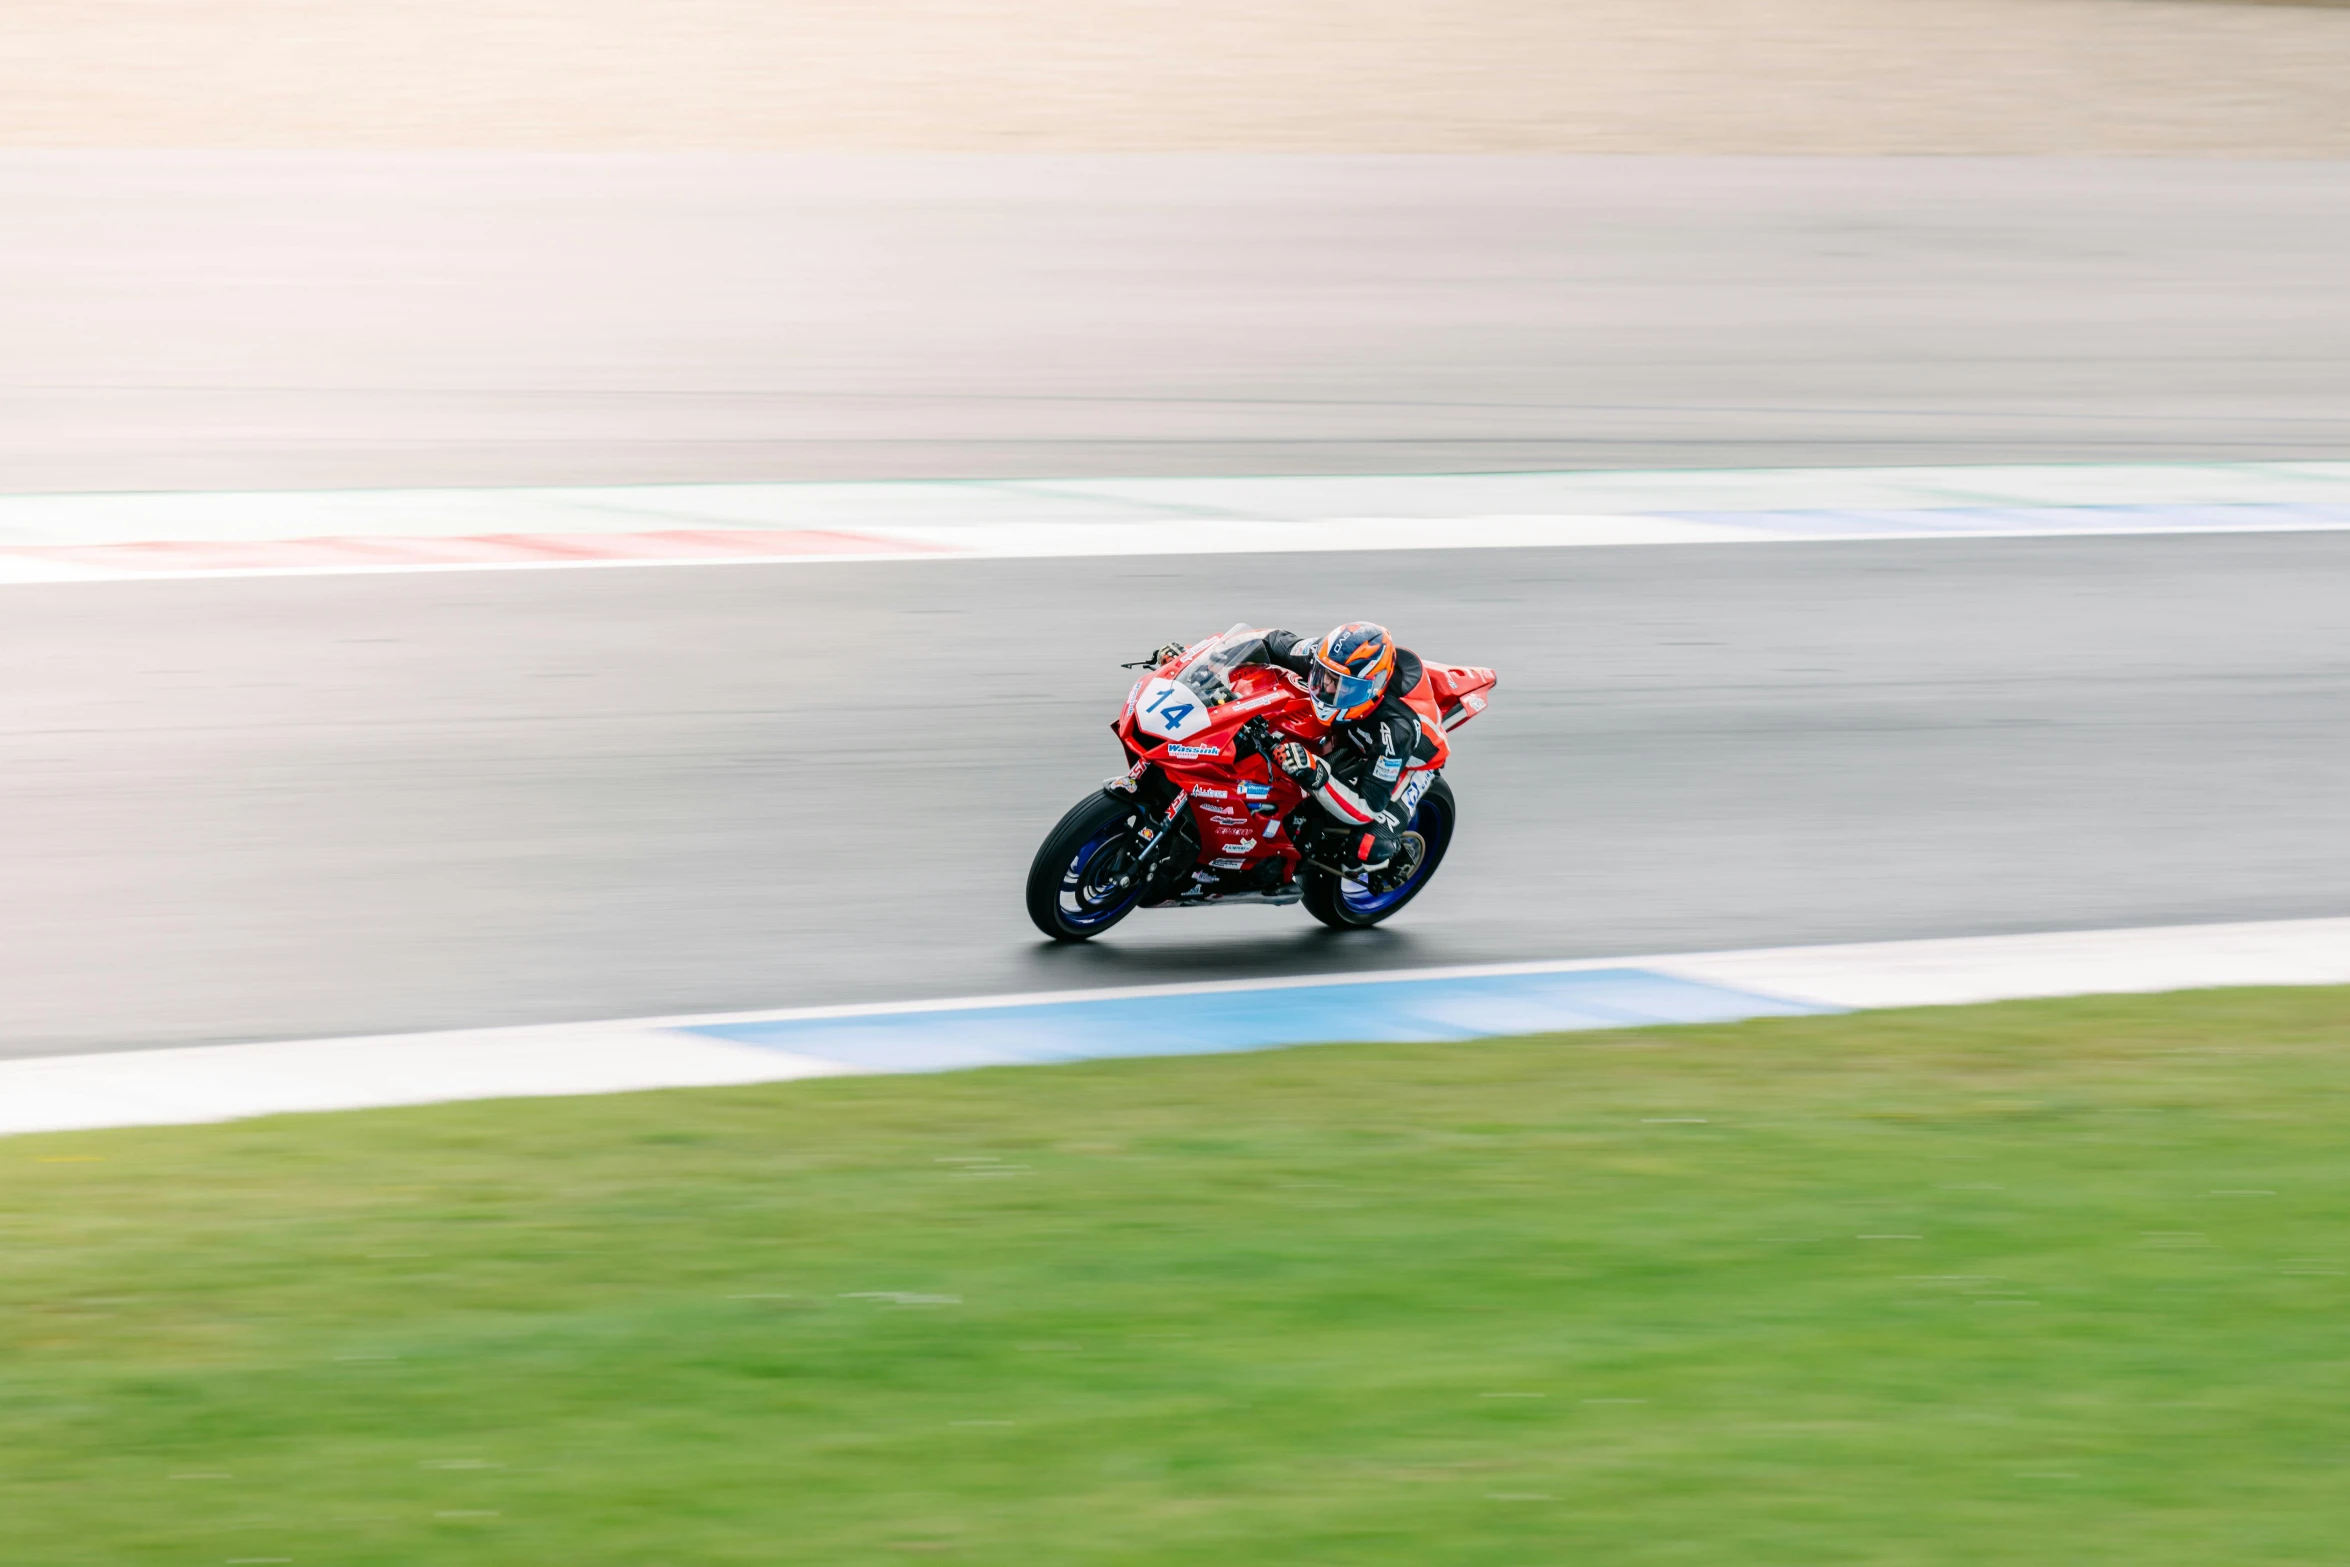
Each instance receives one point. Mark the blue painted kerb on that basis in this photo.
(1199, 1023)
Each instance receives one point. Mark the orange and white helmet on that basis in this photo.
(1349, 672)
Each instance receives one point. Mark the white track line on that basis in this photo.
(96, 538)
(224, 1082)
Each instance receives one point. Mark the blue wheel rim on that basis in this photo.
(1073, 910)
(1358, 898)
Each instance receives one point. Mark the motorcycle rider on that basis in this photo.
(1358, 679)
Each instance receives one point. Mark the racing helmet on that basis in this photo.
(1349, 670)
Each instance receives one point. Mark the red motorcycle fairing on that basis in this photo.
(1238, 803)
(1183, 718)
(1452, 694)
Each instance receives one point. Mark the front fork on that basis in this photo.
(1157, 837)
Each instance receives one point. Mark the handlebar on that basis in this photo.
(1164, 652)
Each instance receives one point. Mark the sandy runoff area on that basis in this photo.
(1687, 76)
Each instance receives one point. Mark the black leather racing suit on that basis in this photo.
(1367, 755)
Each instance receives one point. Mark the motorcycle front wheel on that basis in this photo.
(1082, 881)
(1362, 899)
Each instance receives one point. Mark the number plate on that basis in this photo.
(1169, 710)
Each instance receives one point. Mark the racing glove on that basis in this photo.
(1308, 771)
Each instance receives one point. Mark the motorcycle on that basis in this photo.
(1202, 815)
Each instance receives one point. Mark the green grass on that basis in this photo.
(2050, 1282)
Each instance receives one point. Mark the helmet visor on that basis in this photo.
(1334, 693)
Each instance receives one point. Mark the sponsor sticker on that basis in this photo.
(1256, 791)
(1390, 768)
(1211, 791)
(1194, 750)
(1228, 865)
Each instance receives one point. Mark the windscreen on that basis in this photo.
(1209, 674)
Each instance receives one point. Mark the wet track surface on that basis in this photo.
(276, 808)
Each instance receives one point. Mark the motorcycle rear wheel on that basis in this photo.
(1352, 903)
(1073, 884)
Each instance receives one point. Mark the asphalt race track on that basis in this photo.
(284, 808)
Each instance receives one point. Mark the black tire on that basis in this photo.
(1070, 850)
(1325, 895)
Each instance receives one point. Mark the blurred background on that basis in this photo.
(327, 246)
(1836, 77)
(2030, 319)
